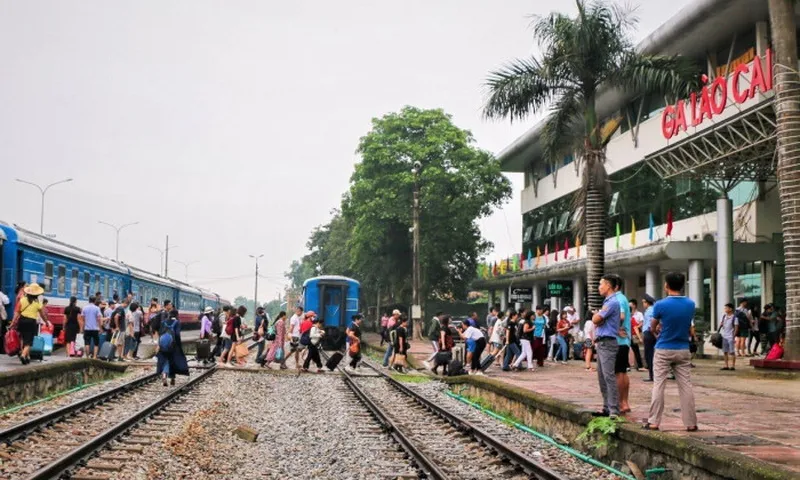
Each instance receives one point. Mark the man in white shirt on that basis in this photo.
(575, 332)
(294, 333)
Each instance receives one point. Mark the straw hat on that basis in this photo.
(34, 289)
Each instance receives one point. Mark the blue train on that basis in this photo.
(64, 270)
(335, 300)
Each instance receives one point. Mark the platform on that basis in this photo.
(742, 411)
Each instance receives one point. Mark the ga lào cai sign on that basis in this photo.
(713, 98)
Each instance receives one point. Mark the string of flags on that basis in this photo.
(522, 261)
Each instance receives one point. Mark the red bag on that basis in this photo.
(46, 328)
(12, 343)
(62, 337)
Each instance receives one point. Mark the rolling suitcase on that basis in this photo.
(577, 351)
(455, 368)
(37, 348)
(48, 343)
(334, 361)
(107, 352)
(203, 350)
(488, 360)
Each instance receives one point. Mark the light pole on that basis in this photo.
(186, 268)
(118, 229)
(255, 294)
(416, 308)
(161, 261)
(43, 191)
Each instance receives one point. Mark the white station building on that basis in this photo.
(707, 161)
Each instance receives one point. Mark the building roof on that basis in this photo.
(702, 24)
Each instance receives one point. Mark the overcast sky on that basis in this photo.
(232, 125)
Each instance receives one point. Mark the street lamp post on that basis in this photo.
(43, 191)
(186, 268)
(118, 229)
(161, 259)
(416, 308)
(255, 294)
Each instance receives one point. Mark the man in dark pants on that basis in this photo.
(649, 338)
(607, 322)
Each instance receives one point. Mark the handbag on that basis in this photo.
(400, 360)
(241, 350)
(11, 342)
(279, 354)
(62, 337)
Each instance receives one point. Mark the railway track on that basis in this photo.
(441, 445)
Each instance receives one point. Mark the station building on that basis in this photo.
(701, 167)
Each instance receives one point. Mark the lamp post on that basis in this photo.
(255, 294)
(118, 229)
(161, 260)
(186, 268)
(43, 191)
(416, 308)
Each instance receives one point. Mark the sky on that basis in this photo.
(232, 126)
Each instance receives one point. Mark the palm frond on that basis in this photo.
(563, 132)
(520, 88)
(675, 76)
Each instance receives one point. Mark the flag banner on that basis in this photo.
(578, 246)
(538, 255)
(652, 227)
(633, 231)
(617, 241)
(669, 222)
(546, 253)
(566, 248)
(530, 259)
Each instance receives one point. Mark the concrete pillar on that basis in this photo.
(724, 253)
(767, 283)
(577, 296)
(715, 314)
(555, 303)
(536, 298)
(694, 284)
(652, 281)
(504, 299)
(762, 38)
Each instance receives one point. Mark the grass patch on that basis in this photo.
(400, 377)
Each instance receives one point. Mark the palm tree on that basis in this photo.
(787, 108)
(581, 57)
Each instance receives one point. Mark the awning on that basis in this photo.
(739, 148)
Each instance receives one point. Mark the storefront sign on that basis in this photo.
(559, 289)
(713, 98)
(521, 295)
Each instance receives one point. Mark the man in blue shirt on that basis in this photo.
(672, 316)
(624, 341)
(647, 333)
(90, 319)
(607, 321)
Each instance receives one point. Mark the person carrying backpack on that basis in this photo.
(171, 359)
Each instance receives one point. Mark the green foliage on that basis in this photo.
(599, 432)
(410, 378)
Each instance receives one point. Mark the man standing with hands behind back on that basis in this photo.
(607, 321)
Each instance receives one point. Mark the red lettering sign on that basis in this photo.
(713, 99)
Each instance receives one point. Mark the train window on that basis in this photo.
(48, 277)
(87, 284)
(105, 287)
(96, 283)
(73, 284)
(62, 279)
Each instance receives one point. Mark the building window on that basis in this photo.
(562, 222)
(527, 236)
(62, 280)
(539, 228)
(612, 205)
(48, 277)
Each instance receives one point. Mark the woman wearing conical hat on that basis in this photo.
(30, 309)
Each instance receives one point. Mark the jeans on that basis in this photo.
(387, 355)
(562, 348)
(606, 359)
(260, 352)
(512, 350)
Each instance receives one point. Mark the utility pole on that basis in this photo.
(416, 308)
(186, 269)
(118, 229)
(43, 191)
(255, 294)
(161, 253)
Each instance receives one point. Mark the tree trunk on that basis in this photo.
(787, 107)
(595, 222)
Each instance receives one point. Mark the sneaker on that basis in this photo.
(479, 373)
(564, 363)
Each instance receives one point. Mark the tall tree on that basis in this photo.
(787, 107)
(579, 55)
(459, 184)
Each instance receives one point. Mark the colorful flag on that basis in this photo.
(652, 226)
(633, 231)
(617, 235)
(538, 255)
(558, 247)
(502, 267)
(522, 261)
(669, 222)
(495, 270)
(566, 247)
(578, 246)
(546, 253)
(530, 258)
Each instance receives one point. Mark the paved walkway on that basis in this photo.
(739, 411)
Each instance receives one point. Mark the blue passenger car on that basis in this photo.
(335, 300)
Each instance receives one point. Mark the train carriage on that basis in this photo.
(335, 299)
(61, 269)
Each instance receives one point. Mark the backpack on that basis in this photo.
(305, 338)
(166, 338)
(393, 336)
(271, 332)
(229, 326)
(433, 330)
(216, 327)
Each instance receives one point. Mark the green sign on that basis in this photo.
(559, 288)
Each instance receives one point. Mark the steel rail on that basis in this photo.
(23, 429)
(421, 460)
(531, 467)
(78, 455)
